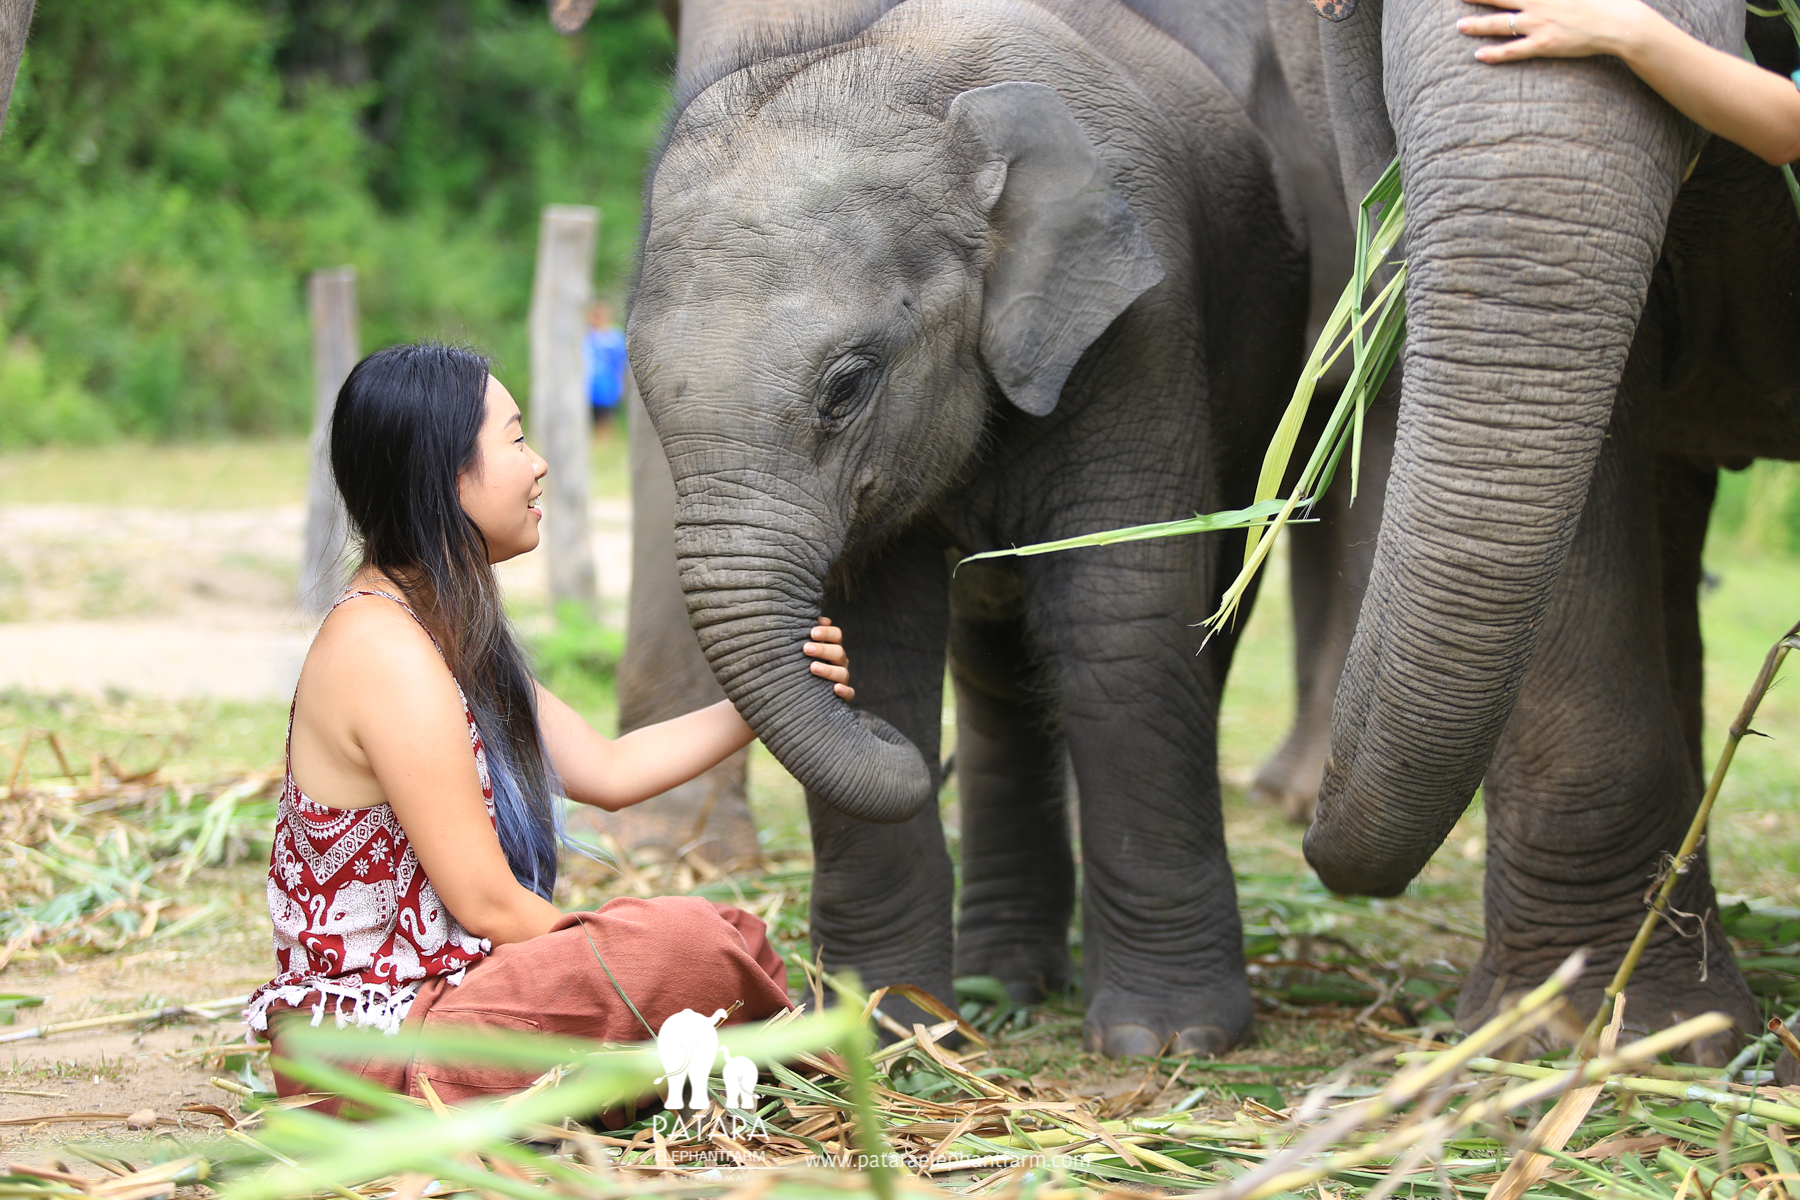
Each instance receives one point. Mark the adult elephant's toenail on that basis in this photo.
(1128, 1039)
(1207, 1041)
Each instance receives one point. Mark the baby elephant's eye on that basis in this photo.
(844, 392)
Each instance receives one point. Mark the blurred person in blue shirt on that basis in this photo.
(603, 348)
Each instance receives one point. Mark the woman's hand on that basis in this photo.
(1557, 28)
(827, 646)
(614, 774)
(1720, 92)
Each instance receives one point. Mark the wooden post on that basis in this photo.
(15, 24)
(560, 421)
(332, 298)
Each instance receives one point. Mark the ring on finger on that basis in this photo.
(1512, 23)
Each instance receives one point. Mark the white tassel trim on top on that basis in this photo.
(353, 1004)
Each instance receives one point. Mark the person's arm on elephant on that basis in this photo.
(1722, 93)
(617, 773)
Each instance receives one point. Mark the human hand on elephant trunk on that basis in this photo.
(827, 646)
(1722, 93)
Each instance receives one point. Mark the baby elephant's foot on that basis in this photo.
(1290, 781)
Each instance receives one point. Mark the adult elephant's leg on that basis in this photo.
(1018, 885)
(1162, 943)
(1328, 569)
(881, 902)
(663, 674)
(1594, 782)
(1685, 489)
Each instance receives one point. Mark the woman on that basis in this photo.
(1723, 94)
(416, 843)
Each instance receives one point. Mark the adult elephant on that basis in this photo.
(970, 277)
(1589, 338)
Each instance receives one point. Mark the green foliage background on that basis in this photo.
(1759, 508)
(171, 170)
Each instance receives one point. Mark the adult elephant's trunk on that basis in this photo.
(1537, 195)
(753, 552)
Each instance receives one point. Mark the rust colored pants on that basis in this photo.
(668, 953)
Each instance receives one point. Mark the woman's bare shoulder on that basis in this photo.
(371, 642)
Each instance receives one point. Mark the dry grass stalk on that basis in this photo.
(1557, 1126)
(1271, 1181)
(205, 1010)
(1696, 829)
(83, 857)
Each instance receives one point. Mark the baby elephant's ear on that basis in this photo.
(1071, 256)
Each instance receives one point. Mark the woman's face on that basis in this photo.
(500, 488)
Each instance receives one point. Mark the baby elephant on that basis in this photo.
(740, 1081)
(977, 274)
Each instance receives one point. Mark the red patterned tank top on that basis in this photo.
(358, 927)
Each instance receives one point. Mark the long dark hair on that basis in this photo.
(406, 425)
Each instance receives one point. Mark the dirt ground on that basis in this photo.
(124, 1070)
(177, 604)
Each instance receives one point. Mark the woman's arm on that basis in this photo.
(647, 762)
(375, 678)
(1720, 92)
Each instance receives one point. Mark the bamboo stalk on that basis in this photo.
(1266, 1181)
(1645, 1085)
(1779, 1028)
(166, 1013)
(1553, 1131)
(1696, 828)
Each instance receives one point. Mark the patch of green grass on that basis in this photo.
(578, 660)
(1755, 836)
(230, 473)
(1758, 509)
(196, 475)
(43, 1071)
(199, 741)
(609, 464)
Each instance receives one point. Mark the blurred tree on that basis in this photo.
(172, 169)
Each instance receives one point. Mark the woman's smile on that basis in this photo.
(503, 462)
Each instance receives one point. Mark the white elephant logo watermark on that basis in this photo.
(688, 1044)
(740, 1082)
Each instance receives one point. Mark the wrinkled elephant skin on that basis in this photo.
(967, 279)
(662, 673)
(1589, 338)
